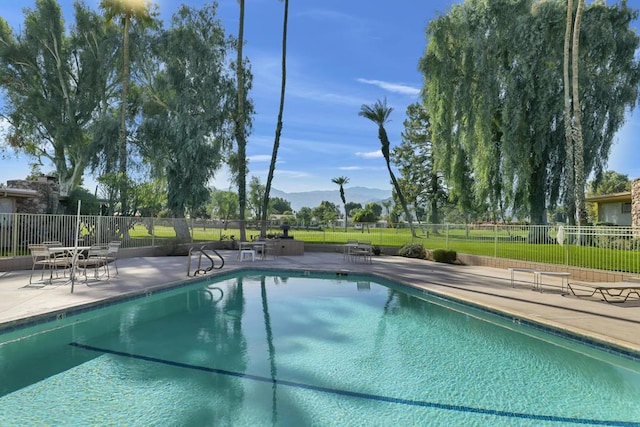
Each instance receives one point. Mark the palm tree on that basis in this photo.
(341, 181)
(127, 9)
(570, 180)
(276, 142)
(578, 158)
(387, 207)
(240, 129)
(379, 114)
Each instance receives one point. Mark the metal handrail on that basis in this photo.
(202, 252)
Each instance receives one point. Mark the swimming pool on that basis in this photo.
(306, 350)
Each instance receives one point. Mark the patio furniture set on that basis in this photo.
(355, 250)
(53, 257)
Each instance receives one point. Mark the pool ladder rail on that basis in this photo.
(203, 251)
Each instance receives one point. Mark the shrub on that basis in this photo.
(413, 250)
(443, 255)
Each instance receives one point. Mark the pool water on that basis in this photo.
(302, 350)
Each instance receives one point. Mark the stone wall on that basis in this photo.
(46, 202)
(635, 203)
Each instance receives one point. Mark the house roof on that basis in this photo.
(17, 192)
(624, 196)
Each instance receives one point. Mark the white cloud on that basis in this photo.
(260, 158)
(292, 173)
(350, 168)
(392, 87)
(370, 155)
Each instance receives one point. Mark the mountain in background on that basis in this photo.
(312, 199)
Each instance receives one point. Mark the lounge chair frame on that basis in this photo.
(615, 293)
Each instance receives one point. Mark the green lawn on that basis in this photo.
(484, 242)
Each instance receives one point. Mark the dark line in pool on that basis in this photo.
(388, 399)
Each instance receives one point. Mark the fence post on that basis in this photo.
(495, 240)
(446, 234)
(14, 237)
(153, 231)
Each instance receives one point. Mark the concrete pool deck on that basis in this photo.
(617, 325)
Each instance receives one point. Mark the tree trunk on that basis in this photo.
(122, 147)
(401, 197)
(240, 129)
(577, 121)
(182, 229)
(276, 143)
(568, 123)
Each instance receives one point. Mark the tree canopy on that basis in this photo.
(57, 86)
(494, 91)
(186, 123)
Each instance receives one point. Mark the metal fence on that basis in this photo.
(604, 248)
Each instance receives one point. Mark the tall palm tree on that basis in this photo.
(341, 181)
(568, 131)
(272, 351)
(276, 142)
(577, 121)
(240, 128)
(379, 114)
(127, 10)
(387, 208)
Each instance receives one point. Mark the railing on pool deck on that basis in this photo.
(614, 249)
(203, 251)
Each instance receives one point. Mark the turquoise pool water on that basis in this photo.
(305, 350)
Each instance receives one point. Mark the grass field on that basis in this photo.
(510, 244)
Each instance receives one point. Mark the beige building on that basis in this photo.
(619, 208)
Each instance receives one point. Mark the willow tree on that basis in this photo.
(494, 89)
(189, 108)
(56, 84)
(341, 181)
(379, 114)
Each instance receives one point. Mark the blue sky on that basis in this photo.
(340, 55)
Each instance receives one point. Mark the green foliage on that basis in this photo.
(256, 196)
(189, 104)
(365, 215)
(279, 206)
(610, 182)
(326, 211)
(413, 250)
(224, 205)
(304, 216)
(420, 182)
(443, 255)
(494, 90)
(89, 204)
(56, 81)
(351, 206)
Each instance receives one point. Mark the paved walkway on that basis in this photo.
(614, 324)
